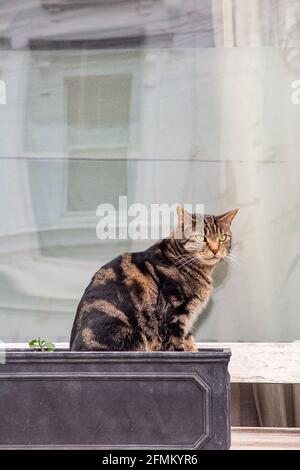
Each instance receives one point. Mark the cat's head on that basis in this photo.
(205, 236)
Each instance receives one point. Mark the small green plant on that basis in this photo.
(41, 344)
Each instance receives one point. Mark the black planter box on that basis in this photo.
(115, 400)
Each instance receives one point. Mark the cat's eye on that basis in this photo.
(199, 238)
(223, 237)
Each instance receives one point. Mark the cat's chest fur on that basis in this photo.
(187, 295)
(197, 305)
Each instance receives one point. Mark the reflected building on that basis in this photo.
(162, 101)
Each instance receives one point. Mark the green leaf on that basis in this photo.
(34, 343)
(42, 344)
(48, 346)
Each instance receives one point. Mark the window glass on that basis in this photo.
(162, 102)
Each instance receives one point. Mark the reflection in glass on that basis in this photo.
(162, 102)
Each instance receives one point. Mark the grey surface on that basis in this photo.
(115, 400)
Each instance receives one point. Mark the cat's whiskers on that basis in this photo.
(229, 256)
(234, 262)
(182, 258)
(185, 265)
(235, 255)
(181, 262)
(184, 262)
(231, 261)
(188, 262)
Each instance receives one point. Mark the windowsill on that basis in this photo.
(249, 363)
(265, 438)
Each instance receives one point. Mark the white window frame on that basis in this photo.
(249, 363)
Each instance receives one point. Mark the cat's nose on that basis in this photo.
(214, 247)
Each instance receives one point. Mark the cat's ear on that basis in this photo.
(183, 216)
(228, 217)
(180, 211)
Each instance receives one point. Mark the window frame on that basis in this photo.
(249, 363)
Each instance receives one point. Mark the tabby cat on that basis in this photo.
(148, 301)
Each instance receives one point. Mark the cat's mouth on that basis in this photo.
(215, 257)
(212, 258)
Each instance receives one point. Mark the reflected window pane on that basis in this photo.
(89, 182)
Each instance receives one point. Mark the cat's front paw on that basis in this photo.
(173, 344)
(189, 344)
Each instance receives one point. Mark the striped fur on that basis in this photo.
(148, 301)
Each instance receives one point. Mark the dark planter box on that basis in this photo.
(115, 400)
